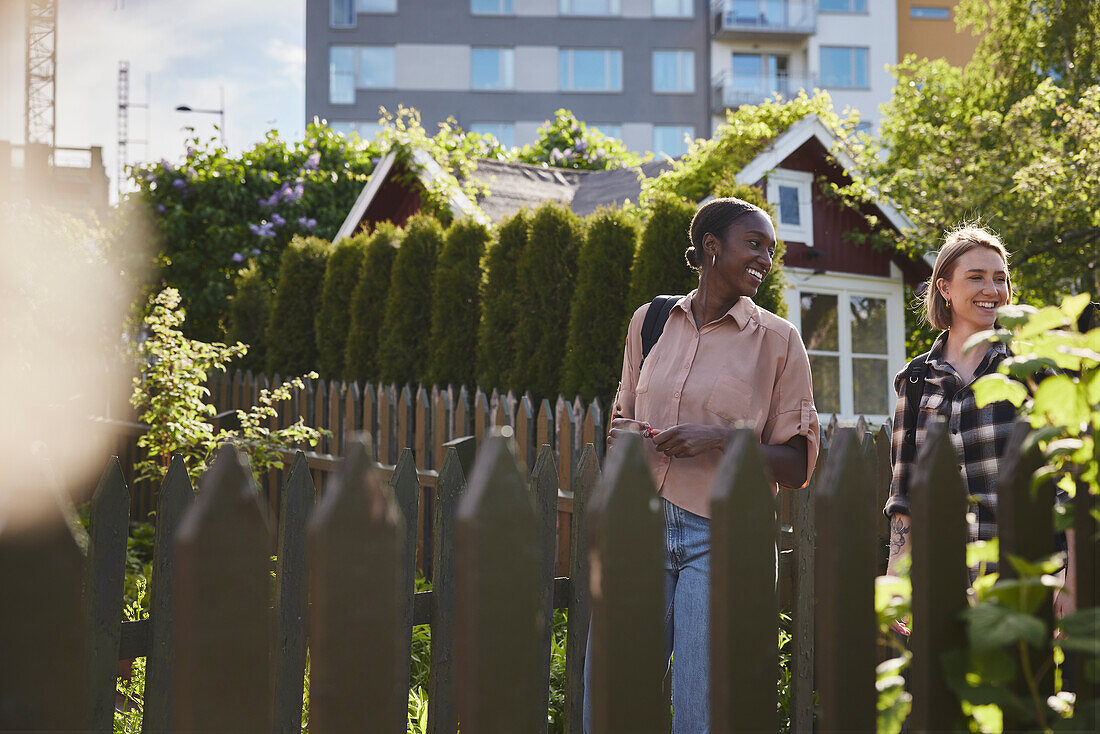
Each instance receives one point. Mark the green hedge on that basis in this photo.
(341, 277)
(291, 341)
(368, 303)
(249, 309)
(496, 334)
(544, 286)
(594, 353)
(403, 347)
(456, 305)
(659, 266)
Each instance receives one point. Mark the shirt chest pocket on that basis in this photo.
(730, 399)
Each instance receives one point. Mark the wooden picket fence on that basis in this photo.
(226, 652)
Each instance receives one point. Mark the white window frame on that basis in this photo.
(506, 66)
(567, 84)
(581, 8)
(804, 182)
(844, 286)
(504, 7)
(684, 60)
(684, 9)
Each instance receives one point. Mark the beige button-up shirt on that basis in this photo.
(748, 366)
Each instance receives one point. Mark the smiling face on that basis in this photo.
(743, 258)
(978, 286)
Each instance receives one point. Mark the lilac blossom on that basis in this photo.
(307, 224)
(312, 162)
(299, 189)
(271, 200)
(238, 257)
(277, 219)
(161, 208)
(263, 229)
(256, 251)
(179, 183)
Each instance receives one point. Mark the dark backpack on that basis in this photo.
(654, 324)
(915, 374)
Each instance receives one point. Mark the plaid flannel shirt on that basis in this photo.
(978, 435)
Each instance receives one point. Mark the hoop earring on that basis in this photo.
(949, 304)
(713, 259)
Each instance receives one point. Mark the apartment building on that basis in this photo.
(927, 28)
(636, 69)
(765, 47)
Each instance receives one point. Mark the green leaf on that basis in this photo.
(992, 625)
(1012, 316)
(1072, 306)
(982, 551)
(1081, 630)
(894, 704)
(995, 387)
(1047, 318)
(985, 337)
(1048, 565)
(1025, 365)
(1061, 402)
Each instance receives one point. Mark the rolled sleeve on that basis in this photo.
(794, 413)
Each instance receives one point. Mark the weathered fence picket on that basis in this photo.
(544, 496)
(222, 640)
(576, 640)
(627, 584)
(356, 550)
(176, 498)
(845, 585)
(939, 579)
(291, 585)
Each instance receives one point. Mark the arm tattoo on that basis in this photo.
(898, 531)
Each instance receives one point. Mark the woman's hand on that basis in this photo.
(622, 426)
(690, 439)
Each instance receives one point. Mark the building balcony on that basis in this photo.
(772, 20)
(729, 91)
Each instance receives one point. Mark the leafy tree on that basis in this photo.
(566, 142)
(456, 304)
(659, 266)
(403, 348)
(545, 274)
(500, 303)
(368, 302)
(1012, 139)
(170, 397)
(593, 356)
(249, 310)
(334, 315)
(291, 340)
(213, 211)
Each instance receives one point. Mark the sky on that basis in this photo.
(181, 52)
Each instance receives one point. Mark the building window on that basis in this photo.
(844, 66)
(504, 132)
(925, 13)
(341, 75)
(820, 334)
(365, 130)
(341, 13)
(792, 193)
(491, 7)
(672, 140)
(492, 68)
(588, 7)
(376, 68)
(608, 129)
(844, 6)
(376, 6)
(672, 9)
(870, 361)
(590, 70)
(673, 71)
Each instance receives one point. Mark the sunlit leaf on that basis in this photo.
(1072, 306)
(1059, 399)
(995, 387)
(982, 551)
(1026, 569)
(1047, 318)
(1014, 315)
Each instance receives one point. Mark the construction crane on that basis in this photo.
(40, 115)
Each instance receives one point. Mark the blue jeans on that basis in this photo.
(687, 621)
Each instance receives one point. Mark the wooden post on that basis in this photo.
(110, 523)
(442, 710)
(845, 585)
(498, 598)
(564, 441)
(576, 641)
(464, 425)
(939, 576)
(441, 430)
(353, 416)
(406, 492)
(626, 577)
(176, 497)
(802, 622)
(42, 626)
(222, 676)
(594, 423)
(422, 432)
(405, 421)
(387, 438)
(525, 432)
(481, 416)
(334, 422)
(544, 495)
(317, 417)
(544, 425)
(744, 608)
(355, 627)
(369, 424)
(291, 584)
(883, 477)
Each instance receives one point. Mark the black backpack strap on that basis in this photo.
(654, 324)
(915, 375)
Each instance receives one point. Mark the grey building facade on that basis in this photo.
(637, 69)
